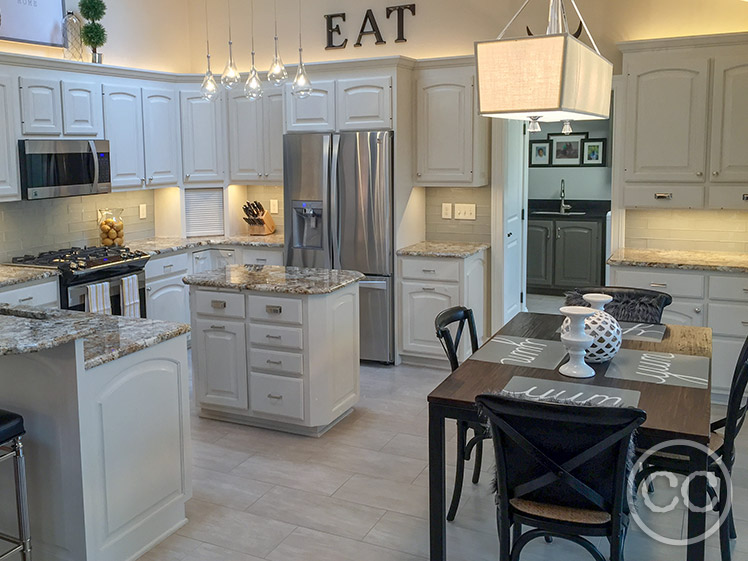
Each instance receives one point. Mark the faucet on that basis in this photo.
(564, 206)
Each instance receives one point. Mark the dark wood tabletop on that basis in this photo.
(672, 411)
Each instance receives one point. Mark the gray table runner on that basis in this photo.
(643, 331)
(534, 388)
(660, 368)
(520, 351)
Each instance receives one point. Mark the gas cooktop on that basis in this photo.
(79, 261)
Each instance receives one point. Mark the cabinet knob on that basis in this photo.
(259, 174)
(715, 173)
(150, 180)
(267, 174)
(148, 289)
(699, 173)
(418, 174)
(187, 176)
(697, 310)
(510, 234)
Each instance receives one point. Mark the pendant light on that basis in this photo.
(209, 88)
(552, 77)
(230, 76)
(302, 87)
(277, 73)
(253, 86)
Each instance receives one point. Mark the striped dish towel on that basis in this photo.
(98, 300)
(130, 297)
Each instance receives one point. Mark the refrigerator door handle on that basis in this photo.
(334, 203)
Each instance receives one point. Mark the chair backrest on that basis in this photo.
(561, 454)
(737, 406)
(442, 324)
(629, 304)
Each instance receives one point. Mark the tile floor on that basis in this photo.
(360, 491)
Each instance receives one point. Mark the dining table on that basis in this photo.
(674, 412)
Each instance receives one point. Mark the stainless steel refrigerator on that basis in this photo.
(338, 215)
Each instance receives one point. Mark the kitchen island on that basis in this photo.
(105, 403)
(276, 347)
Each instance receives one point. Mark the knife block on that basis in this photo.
(266, 229)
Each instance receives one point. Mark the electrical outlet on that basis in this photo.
(143, 212)
(447, 210)
(273, 206)
(464, 211)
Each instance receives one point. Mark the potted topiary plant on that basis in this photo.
(93, 33)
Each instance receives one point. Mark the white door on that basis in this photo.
(364, 103)
(161, 137)
(40, 107)
(221, 363)
(82, 113)
(272, 126)
(123, 125)
(444, 127)
(168, 300)
(202, 138)
(315, 113)
(9, 186)
(421, 303)
(666, 112)
(246, 139)
(729, 157)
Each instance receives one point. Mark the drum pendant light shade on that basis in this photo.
(551, 77)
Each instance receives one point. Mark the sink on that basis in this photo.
(555, 213)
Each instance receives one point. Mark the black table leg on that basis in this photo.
(437, 475)
(698, 497)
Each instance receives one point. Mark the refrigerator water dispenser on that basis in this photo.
(307, 224)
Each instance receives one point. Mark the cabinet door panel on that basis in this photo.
(272, 114)
(725, 353)
(685, 312)
(540, 252)
(246, 140)
(729, 157)
(578, 254)
(202, 138)
(313, 113)
(161, 136)
(9, 186)
(364, 103)
(40, 107)
(421, 303)
(168, 300)
(221, 363)
(82, 112)
(123, 124)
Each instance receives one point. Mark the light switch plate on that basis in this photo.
(446, 210)
(464, 211)
(143, 211)
(273, 206)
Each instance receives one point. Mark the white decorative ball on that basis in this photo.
(606, 334)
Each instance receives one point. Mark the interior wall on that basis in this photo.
(440, 229)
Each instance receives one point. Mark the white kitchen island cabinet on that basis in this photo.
(276, 347)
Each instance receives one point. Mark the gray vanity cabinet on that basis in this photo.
(540, 252)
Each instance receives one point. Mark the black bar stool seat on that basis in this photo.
(11, 448)
(11, 426)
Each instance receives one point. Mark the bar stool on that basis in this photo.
(11, 431)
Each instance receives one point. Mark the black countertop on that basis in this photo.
(593, 210)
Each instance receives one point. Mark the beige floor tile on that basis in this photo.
(226, 490)
(208, 552)
(408, 445)
(216, 458)
(302, 475)
(270, 443)
(369, 462)
(383, 493)
(351, 434)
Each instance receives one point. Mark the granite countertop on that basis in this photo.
(162, 245)
(686, 260)
(443, 249)
(273, 278)
(26, 329)
(16, 274)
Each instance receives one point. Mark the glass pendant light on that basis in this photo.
(253, 86)
(209, 88)
(302, 87)
(277, 73)
(534, 125)
(230, 76)
(567, 128)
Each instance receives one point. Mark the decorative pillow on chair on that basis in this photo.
(624, 307)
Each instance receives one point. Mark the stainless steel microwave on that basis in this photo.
(64, 168)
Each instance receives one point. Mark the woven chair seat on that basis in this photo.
(563, 513)
(716, 441)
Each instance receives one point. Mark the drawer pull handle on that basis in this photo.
(428, 289)
(166, 267)
(261, 260)
(218, 327)
(27, 299)
(658, 284)
(218, 304)
(664, 196)
(431, 271)
(276, 397)
(274, 309)
(744, 322)
(274, 337)
(276, 362)
(745, 290)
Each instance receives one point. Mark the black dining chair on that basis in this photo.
(561, 469)
(462, 317)
(722, 446)
(637, 305)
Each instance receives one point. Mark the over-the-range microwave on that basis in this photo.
(63, 168)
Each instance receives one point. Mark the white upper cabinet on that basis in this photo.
(82, 109)
(41, 111)
(246, 137)
(364, 103)
(161, 137)
(313, 113)
(272, 119)
(202, 138)
(729, 156)
(9, 188)
(123, 125)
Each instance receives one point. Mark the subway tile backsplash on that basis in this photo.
(439, 229)
(30, 227)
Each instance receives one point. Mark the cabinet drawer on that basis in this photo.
(276, 361)
(274, 336)
(219, 304)
(729, 319)
(45, 294)
(262, 257)
(635, 196)
(677, 285)
(169, 265)
(276, 395)
(431, 269)
(275, 310)
(728, 288)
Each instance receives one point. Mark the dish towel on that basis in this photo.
(130, 297)
(98, 300)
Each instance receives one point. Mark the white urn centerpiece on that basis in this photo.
(602, 327)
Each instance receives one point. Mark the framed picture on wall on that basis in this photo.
(566, 149)
(32, 21)
(593, 152)
(540, 153)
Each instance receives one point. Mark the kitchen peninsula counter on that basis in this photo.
(11, 275)
(685, 260)
(165, 245)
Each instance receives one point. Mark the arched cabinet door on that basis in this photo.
(123, 125)
(421, 303)
(364, 103)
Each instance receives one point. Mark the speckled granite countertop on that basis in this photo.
(158, 246)
(25, 329)
(11, 274)
(270, 278)
(687, 260)
(443, 249)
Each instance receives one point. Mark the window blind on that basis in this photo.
(204, 212)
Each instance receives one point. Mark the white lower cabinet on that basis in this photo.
(220, 348)
(278, 396)
(256, 256)
(45, 293)
(167, 300)
(421, 302)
